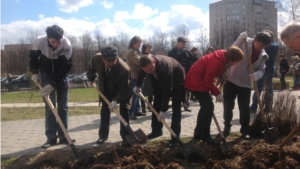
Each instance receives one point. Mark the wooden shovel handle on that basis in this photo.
(292, 133)
(62, 126)
(254, 82)
(155, 112)
(109, 104)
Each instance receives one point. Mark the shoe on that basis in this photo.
(187, 109)
(139, 114)
(246, 136)
(197, 137)
(125, 143)
(154, 135)
(173, 143)
(49, 143)
(101, 140)
(133, 117)
(210, 140)
(65, 141)
(226, 131)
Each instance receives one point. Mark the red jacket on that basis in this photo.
(201, 76)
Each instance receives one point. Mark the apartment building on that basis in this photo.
(228, 18)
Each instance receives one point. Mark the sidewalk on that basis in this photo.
(26, 136)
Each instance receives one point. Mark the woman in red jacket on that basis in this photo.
(200, 81)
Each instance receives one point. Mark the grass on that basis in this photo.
(75, 95)
(29, 113)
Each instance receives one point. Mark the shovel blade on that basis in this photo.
(138, 137)
(78, 155)
(269, 135)
(226, 148)
(186, 149)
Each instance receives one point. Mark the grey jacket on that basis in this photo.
(239, 73)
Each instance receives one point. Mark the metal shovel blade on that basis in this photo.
(77, 155)
(186, 149)
(226, 148)
(269, 135)
(137, 137)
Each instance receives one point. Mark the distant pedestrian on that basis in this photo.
(284, 68)
(210, 50)
(296, 69)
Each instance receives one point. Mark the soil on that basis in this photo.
(254, 154)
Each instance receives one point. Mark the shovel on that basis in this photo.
(134, 137)
(183, 148)
(77, 155)
(292, 133)
(269, 134)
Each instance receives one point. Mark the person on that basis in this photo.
(186, 59)
(132, 59)
(194, 51)
(267, 78)
(284, 68)
(9, 80)
(239, 82)
(167, 77)
(296, 69)
(290, 35)
(200, 81)
(50, 60)
(147, 88)
(210, 50)
(114, 83)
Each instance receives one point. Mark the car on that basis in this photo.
(22, 81)
(71, 77)
(78, 78)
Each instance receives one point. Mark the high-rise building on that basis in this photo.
(228, 18)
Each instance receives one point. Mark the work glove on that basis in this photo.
(90, 83)
(161, 116)
(36, 78)
(254, 76)
(220, 98)
(243, 35)
(136, 90)
(113, 105)
(46, 90)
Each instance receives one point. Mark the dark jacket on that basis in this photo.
(118, 82)
(170, 77)
(44, 59)
(272, 51)
(284, 65)
(184, 57)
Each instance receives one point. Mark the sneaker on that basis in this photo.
(139, 114)
(49, 143)
(226, 131)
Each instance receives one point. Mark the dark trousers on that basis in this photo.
(282, 80)
(105, 120)
(176, 115)
(204, 115)
(231, 91)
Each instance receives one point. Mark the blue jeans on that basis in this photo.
(135, 105)
(296, 80)
(62, 91)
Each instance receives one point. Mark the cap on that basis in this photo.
(109, 53)
(182, 39)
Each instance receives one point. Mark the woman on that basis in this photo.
(284, 68)
(200, 81)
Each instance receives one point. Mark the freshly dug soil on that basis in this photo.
(254, 154)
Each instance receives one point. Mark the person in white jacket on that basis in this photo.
(239, 82)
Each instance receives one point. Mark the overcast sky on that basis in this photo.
(134, 17)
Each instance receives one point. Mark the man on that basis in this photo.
(114, 83)
(167, 77)
(266, 80)
(186, 59)
(239, 82)
(290, 35)
(284, 68)
(50, 61)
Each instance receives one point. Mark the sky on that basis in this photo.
(109, 17)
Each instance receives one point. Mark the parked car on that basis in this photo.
(71, 77)
(78, 78)
(22, 81)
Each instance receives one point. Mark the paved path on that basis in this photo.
(27, 136)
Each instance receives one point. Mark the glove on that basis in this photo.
(113, 105)
(46, 90)
(36, 78)
(89, 83)
(254, 76)
(243, 35)
(136, 90)
(220, 98)
(161, 116)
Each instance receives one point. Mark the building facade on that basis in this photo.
(228, 18)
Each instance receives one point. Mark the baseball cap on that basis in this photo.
(109, 53)
(182, 39)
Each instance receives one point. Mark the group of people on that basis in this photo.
(171, 77)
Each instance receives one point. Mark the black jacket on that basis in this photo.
(185, 58)
(284, 65)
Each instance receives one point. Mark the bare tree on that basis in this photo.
(289, 11)
(32, 35)
(100, 40)
(73, 40)
(180, 31)
(159, 42)
(218, 39)
(203, 40)
(88, 48)
(123, 44)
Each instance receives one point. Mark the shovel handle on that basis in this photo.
(49, 102)
(109, 104)
(155, 112)
(292, 133)
(254, 82)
